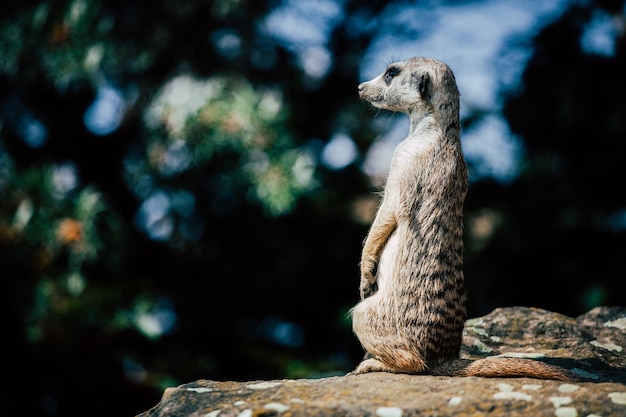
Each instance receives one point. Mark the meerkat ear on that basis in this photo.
(423, 84)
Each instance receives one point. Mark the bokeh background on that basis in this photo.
(185, 186)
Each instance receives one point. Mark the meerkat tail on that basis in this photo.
(503, 368)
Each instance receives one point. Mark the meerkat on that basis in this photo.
(412, 311)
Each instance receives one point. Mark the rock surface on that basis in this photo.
(592, 345)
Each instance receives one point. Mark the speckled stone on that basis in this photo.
(521, 332)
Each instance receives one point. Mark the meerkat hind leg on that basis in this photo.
(372, 364)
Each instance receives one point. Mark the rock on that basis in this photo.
(592, 345)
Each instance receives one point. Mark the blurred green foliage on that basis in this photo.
(193, 122)
(167, 213)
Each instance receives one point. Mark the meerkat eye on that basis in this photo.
(390, 73)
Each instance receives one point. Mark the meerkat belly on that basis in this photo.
(370, 317)
(387, 262)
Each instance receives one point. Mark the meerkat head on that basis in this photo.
(415, 85)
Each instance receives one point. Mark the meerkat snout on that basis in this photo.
(361, 88)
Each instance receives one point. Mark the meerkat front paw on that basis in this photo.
(368, 269)
(366, 288)
(368, 284)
